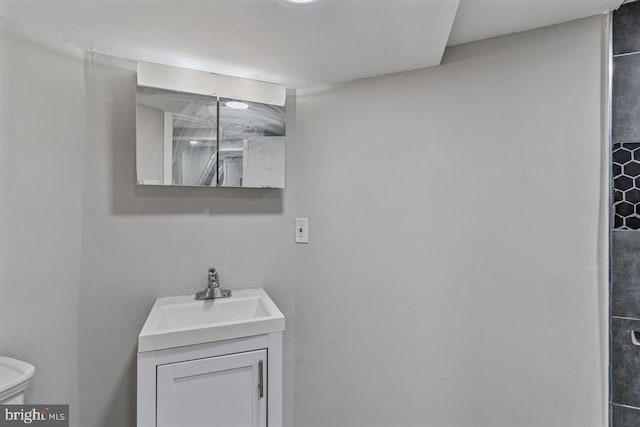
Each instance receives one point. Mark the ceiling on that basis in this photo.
(482, 19)
(325, 42)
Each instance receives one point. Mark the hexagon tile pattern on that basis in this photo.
(626, 185)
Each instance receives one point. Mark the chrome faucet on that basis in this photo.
(213, 288)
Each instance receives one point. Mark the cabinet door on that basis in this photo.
(223, 391)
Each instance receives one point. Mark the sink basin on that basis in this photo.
(179, 321)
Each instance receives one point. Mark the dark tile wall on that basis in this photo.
(625, 234)
(625, 361)
(623, 416)
(625, 263)
(626, 88)
(625, 160)
(626, 37)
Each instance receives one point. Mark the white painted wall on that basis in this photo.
(140, 243)
(42, 116)
(454, 271)
(462, 291)
(84, 252)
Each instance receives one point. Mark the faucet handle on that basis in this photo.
(213, 275)
(213, 290)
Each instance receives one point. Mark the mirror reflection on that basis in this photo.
(177, 141)
(252, 144)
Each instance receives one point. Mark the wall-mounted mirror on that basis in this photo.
(252, 144)
(176, 138)
(186, 139)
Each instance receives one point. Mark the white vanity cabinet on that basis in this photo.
(227, 382)
(231, 388)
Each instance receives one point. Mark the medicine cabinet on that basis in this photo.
(205, 130)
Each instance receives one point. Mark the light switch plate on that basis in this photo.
(302, 230)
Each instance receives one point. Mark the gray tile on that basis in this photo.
(623, 416)
(626, 92)
(625, 362)
(626, 21)
(625, 279)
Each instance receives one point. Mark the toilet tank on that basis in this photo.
(15, 376)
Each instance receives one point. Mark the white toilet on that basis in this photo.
(15, 376)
